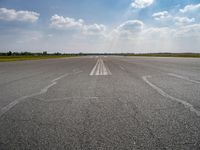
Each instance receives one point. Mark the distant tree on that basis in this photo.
(44, 53)
(57, 53)
(26, 53)
(9, 53)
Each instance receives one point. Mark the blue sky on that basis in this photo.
(100, 25)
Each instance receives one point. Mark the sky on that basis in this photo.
(100, 26)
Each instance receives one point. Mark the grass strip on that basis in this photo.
(22, 58)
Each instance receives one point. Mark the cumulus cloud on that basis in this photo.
(190, 8)
(13, 15)
(128, 30)
(131, 26)
(133, 34)
(157, 32)
(141, 3)
(188, 31)
(61, 22)
(66, 23)
(176, 18)
(161, 15)
(135, 29)
(94, 29)
(183, 20)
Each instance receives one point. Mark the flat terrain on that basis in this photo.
(100, 103)
(21, 58)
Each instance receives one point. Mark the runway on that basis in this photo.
(100, 102)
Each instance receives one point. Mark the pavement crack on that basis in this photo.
(164, 94)
(42, 91)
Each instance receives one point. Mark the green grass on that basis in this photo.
(22, 58)
(32, 57)
(189, 55)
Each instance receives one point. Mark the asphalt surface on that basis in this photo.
(100, 103)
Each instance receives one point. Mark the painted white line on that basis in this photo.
(42, 91)
(184, 78)
(94, 68)
(161, 92)
(108, 71)
(102, 66)
(100, 69)
(105, 70)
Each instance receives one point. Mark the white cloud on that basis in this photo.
(94, 29)
(134, 36)
(161, 15)
(141, 3)
(190, 8)
(66, 23)
(183, 20)
(188, 31)
(176, 18)
(128, 30)
(13, 15)
(61, 22)
(157, 32)
(128, 36)
(181, 32)
(131, 26)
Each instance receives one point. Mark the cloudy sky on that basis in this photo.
(100, 25)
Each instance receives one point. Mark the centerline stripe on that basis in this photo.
(100, 69)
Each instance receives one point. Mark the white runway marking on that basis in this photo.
(42, 91)
(161, 92)
(184, 78)
(100, 69)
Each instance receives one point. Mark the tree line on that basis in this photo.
(44, 53)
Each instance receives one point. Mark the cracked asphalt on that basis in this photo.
(143, 103)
